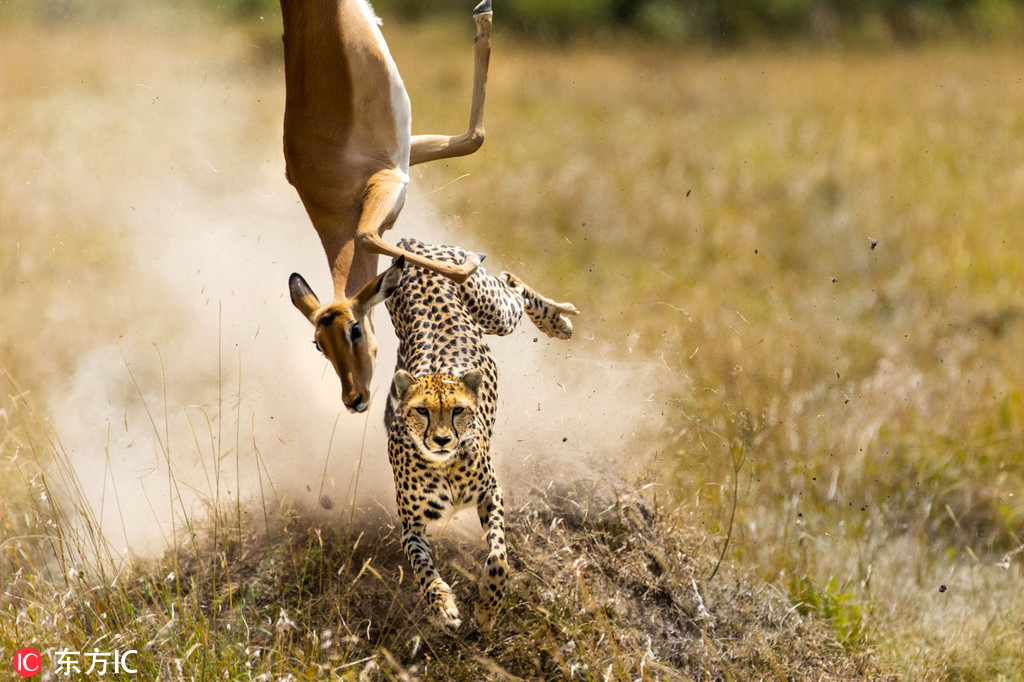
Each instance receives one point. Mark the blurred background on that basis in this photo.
(793, 227)
(716, 22)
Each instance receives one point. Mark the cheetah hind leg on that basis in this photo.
(441, 602)
(550, 317)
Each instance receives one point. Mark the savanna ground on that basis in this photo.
(815, 254)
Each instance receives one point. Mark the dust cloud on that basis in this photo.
(229, 400)
(209, 393)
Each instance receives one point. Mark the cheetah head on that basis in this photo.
(438, 411)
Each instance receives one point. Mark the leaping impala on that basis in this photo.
(348, 146)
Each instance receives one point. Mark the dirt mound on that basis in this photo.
(603, 587)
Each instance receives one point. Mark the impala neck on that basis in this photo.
(351, 266)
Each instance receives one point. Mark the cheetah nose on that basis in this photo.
(442, 440)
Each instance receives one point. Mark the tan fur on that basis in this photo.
(348, 147)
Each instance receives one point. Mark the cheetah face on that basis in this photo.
(438, 411)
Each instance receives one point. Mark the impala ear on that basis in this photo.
(303, 297)
(379, 288)
(472, 380)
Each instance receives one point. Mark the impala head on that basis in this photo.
(342, 334)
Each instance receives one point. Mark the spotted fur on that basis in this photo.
(440, 413)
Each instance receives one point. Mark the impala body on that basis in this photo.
(348, 146)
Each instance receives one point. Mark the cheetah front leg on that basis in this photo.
(440, 600)
(492, 583)
(550, 317)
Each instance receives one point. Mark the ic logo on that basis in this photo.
(27, 662)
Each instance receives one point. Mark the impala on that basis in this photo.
(348, 146)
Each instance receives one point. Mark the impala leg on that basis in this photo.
(492, 582)
(432, 147)
(440, 600)
(382, 201)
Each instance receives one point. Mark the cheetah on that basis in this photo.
(440, 412)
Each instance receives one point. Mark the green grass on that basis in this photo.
(814, 255)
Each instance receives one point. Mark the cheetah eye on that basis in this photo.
(458, 410)
(422, 410)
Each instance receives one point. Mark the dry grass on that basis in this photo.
(604, 587)
(816, 252)
(821, 249)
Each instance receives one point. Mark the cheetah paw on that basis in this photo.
(560, 326)
(484, 618)
(443, 610)
(553, 318)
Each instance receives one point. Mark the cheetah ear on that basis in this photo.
(402, 382)
(472, 380)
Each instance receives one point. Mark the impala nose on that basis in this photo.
(357, 403)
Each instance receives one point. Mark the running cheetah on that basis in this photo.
(440, 412)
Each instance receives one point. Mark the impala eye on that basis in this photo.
(422, 410)
(355, 332)
(317, 345)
